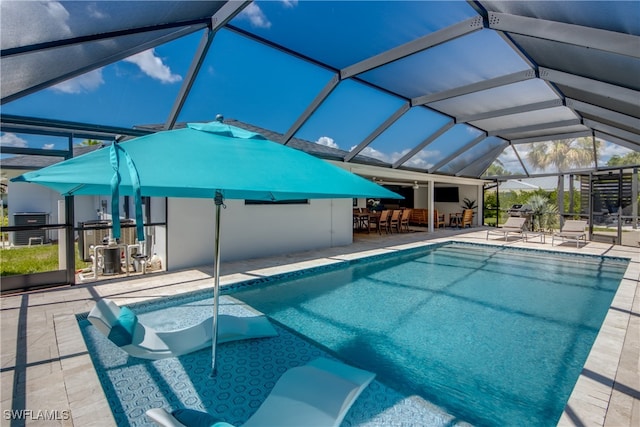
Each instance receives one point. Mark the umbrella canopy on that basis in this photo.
(204, 160)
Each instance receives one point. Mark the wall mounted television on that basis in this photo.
(446, 194)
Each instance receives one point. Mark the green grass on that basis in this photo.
(33, 259)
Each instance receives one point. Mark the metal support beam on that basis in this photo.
(319, 99)
(423, 144)
(619, 141)
(384, 126)
(539, 126)
(442, 36)
(223, 15)
(33, 151)
(597, 87)
(476, 87)
(64, 128)
(612, 130)
(591, 38)
(187, 83)
(524, 167)
(512, 110)
(55, 44)
(569, 135)
(119, 55)
(612, 116)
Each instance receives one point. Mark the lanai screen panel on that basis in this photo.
(280, 85)
(444, 146)
(524, 93)
(557, 156)
(606, 151)
(479, 157)
(343, 33)
(507, 163)
(390, 74)
(350, 113)
(407, 132)
(462, 61)
(68, 28)
(118, 94)
(620, 16)
(523, 120)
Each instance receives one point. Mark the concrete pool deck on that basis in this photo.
(46, 366)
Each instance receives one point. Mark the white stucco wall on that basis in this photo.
(464, 191)
(251, 231)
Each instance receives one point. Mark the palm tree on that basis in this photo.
(497, 169)
(564, 154)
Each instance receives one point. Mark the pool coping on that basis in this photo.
(598, 398)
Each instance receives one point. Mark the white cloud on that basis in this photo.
(609, 150)
(372, 152)
(153, 66)
(12, 140)
(95, 12)
(48, 147)
(84, 83)
(290, 3)
(422, 159)
(327, 141)
(256, 16)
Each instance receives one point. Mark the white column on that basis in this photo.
(430, 205)
(480, 203)
(561, 198)
(62, 241)
(634, 198)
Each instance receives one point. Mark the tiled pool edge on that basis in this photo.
(87, 401)
(590, 401)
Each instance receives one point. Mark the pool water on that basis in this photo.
(496, 336)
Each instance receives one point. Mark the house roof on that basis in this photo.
(17, 165)
(480, 82)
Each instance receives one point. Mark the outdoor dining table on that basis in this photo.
(363, 220)
(455, 219)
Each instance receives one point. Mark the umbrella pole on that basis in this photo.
(216, 284)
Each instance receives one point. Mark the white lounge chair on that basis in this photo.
(317, 394)
(571, 230)
(122, 327)
(514, 224)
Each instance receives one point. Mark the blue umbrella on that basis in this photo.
(204, 160)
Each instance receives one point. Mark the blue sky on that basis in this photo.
(256, 84)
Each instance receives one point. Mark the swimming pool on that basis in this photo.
(496, 336)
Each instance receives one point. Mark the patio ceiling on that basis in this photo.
(474, 82)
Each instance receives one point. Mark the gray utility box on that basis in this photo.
(26, 237)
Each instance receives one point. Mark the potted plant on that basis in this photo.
(469, 204)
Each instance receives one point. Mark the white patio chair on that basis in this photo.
(317, 394)
(123, 328)
(513, 225)
(571, 230)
